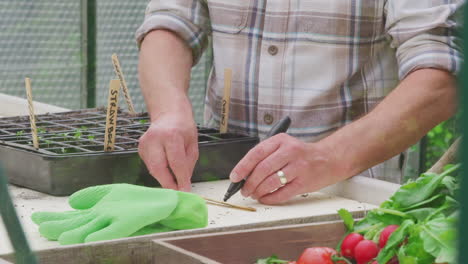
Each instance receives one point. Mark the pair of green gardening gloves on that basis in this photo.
(121, 210)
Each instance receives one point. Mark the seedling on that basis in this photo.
(48, 142)
(64, 135)
(77, 134)
(19, 134)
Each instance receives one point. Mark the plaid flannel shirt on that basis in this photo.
(324, 63)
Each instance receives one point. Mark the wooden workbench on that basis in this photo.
(356, 195)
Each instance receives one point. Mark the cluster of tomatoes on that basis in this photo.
(354, 247)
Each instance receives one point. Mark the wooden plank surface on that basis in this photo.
(247, 246)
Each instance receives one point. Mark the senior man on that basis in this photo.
(362, 80)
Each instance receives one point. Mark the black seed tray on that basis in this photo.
(71, 151)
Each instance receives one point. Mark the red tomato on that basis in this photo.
(317, 255)
(349, 243)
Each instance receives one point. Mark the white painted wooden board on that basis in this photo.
(13, 106)
(314, 204)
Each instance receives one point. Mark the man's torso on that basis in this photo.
(324, 63)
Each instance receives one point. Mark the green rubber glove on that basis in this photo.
(121, 210)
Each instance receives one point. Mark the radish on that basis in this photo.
(386, 232)
(349, 243)
(365, 251)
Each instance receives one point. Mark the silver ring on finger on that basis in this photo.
(282, 177)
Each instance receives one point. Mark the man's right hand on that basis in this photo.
(169, 149)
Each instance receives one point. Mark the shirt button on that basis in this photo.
(268, 119)
(273, 50)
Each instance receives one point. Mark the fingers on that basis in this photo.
(53, 229)
(41, 217)
(282, 194)
(115, 230)
(252, 158)
(273, 182)
(192, 154)
(88, 197)
(156, 163)
(177, 159)
(79, 234)
(270, 165)
(170, 155)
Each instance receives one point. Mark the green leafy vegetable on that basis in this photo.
(426, 211)
(395, 239)
(347, 218)
(419, 190)
(413, 251)
(271, 260)
(439, 236)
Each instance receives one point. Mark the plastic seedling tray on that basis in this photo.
(71, 153)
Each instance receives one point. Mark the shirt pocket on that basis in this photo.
(338, 22)
(229, 16)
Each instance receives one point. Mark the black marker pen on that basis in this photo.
(280, 127)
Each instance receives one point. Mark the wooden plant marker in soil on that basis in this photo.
(226, 101)
(32, 118)
(111, 117)
(223, 129)
(118, 71)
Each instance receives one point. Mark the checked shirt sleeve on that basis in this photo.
(423, 32)
(188, 19)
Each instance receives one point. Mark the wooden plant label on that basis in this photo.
(118, 71)
(32, 118)
(226, 101)
(111, 118)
